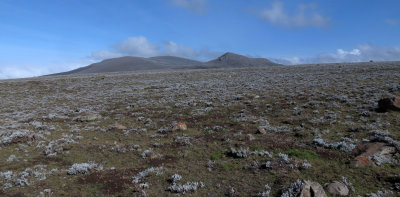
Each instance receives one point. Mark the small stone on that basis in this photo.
(93, 117)
(337, 188)
(250, 137)
(262, 131)
(181, 126)
(120, 127)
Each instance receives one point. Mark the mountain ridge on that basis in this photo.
(132, 63)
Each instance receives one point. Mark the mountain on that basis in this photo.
(129, 63)
(232, 60)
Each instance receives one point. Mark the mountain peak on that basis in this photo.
(230, 59)
(229, 55)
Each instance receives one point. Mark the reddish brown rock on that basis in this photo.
(120, 127)
(378, 151)
(181, 126)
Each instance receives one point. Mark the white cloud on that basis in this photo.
(133, 46)
(392, 21)
(22, 71)
(137, 46)
(305, 15)
(196, 6)
(141, 47)
(172, 48)
(362, 53)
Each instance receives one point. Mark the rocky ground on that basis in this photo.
(276, 131)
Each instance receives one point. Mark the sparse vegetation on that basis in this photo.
(245, 132)
(302, 154)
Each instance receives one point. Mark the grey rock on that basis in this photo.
(337, 188)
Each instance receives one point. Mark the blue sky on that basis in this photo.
(45, 36)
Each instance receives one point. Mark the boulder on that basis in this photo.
(337, 188)
(387, 104)
(376, 153)
(368, 149)
(302, 188)
(312, 189)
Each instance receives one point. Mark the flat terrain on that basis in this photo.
(122, 134)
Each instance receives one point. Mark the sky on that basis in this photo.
(47, 36)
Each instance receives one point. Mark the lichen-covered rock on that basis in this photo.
(376, 153)
(337, 188)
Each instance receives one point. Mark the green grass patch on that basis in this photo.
(225, 166)
(302, 154)
(254, 148)
(216, 156)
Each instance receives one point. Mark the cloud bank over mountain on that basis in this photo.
(362, 53)
(140, 46)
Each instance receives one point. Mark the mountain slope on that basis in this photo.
(175, 62)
